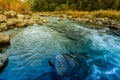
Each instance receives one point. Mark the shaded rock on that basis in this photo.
(27, 16)
(114, 27)
(3, 61)
(11, 22)
(60, 19)
(117, 32)
(3, 26)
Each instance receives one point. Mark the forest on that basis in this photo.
(80, 5)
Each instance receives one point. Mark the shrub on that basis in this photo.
(14, 5)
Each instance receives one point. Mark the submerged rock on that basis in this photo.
(3, 61)
(45, 20)
(117, 32)
(10, 14)
(68, 66)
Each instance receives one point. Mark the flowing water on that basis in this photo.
(32, 47)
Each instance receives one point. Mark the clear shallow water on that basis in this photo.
(32, 48)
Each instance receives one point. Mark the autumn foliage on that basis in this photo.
(15, 5)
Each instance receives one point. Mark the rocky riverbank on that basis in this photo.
(11, 19)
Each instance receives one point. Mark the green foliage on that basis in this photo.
(84, 5)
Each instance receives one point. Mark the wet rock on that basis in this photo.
(113, 27)
(39, 23)
(117, 32)
(68, 65)
(61, 19)
(29, 22)
(3, 61)
(3, 26)
(45, 20)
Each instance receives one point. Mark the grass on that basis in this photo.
(14, 5)
(112, 14)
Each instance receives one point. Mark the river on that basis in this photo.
(32, 47)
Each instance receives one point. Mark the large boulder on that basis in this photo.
(67, 66)
(29, 22)
(3, 61)
(4, 41)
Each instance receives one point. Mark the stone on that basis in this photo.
(11, 22)
(3, 26)
(117, 32)
(4, 39)
(27, 16)
(60, 19)
(3, 61)
(68, 64)
(20, 16)
(35, 16)
(45, 20)
(2, 18)
(113, 27)
(20, 24)
(10, 14)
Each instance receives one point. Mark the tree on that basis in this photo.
(116, 4)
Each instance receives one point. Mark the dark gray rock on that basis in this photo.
(3, 61)
(67, 66)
